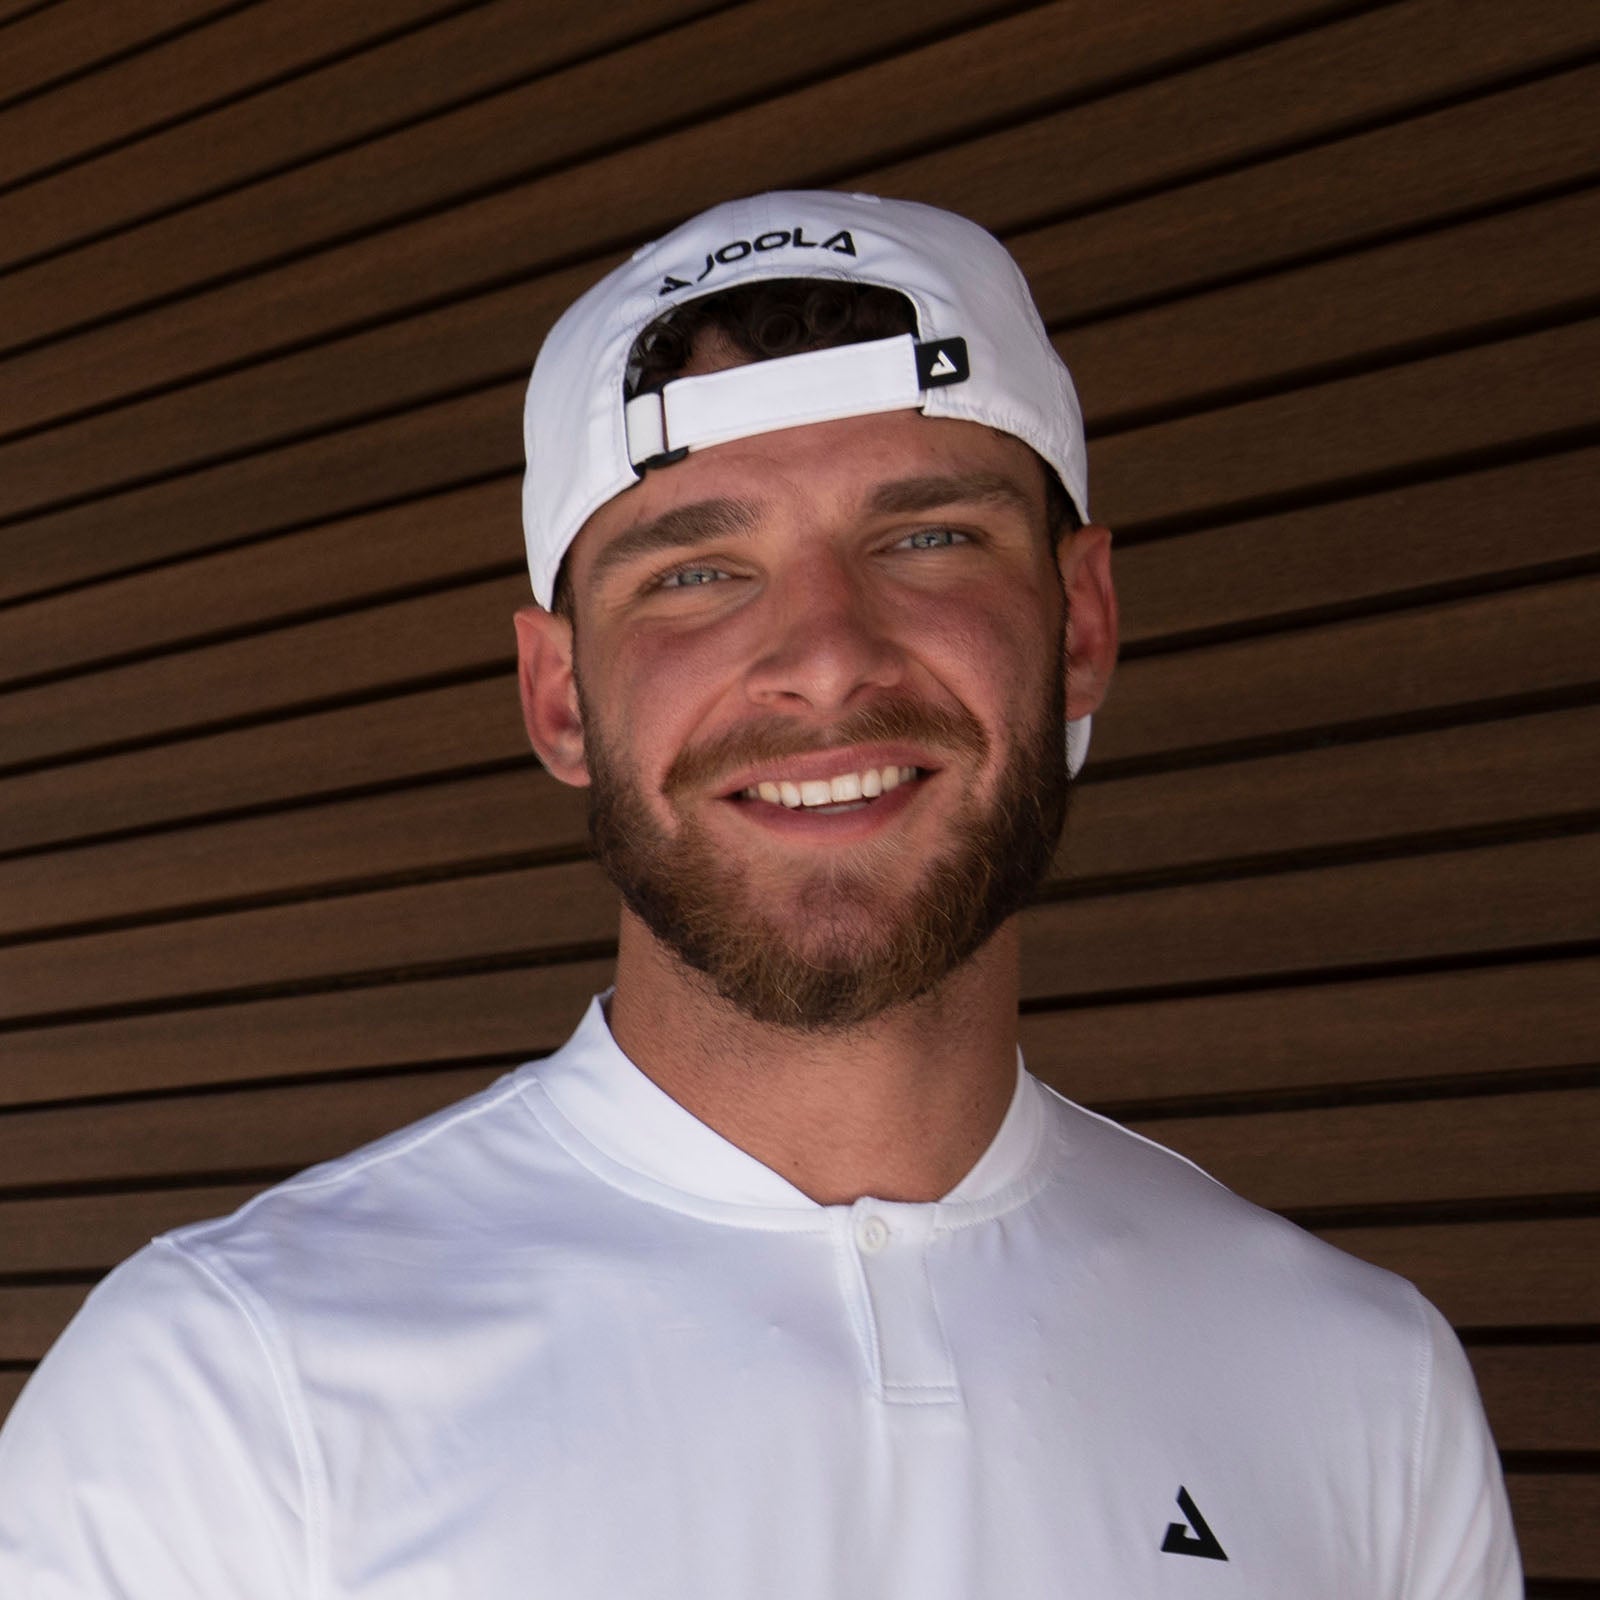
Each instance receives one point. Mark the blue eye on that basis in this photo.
(933, 539)
(692, 577)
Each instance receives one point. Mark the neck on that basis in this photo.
(899, 1108)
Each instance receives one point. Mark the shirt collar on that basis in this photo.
(623, 1113)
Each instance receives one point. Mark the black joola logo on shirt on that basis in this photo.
(778, 239)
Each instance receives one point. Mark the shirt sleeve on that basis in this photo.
(1462, 1545)
(153, 1455)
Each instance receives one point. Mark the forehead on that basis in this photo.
(824, 472)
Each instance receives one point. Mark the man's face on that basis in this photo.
(864, 616)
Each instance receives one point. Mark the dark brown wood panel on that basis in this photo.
(490, 139)
(1368, 306)
(1499, 898)
(1138, 828)
(435, 448)
(1555, 1515)
(1279, 95)
(1525, 1018)
(1455, 530)
(439, 731)
(403, 547)
(507, 1014)
(1478, 1146)
(75, 35)
(390, 81)
(10, 1387)
(220, 1134)
(31, 1317)
(1386, 63)
(465, 629)
(1537, 639)
(1385, 666)
(1396, 178)
(1541, 1396)
(1470, 1148)
(1462, 530)
(426, 831)
(1538, 767)
(1356, 428)
(1492, 1275)
(533, 913)
(1412, 909)
(92, 1232)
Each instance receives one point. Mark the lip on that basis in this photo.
(818, 764)
(804, 823)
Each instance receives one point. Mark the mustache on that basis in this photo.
(952, 731)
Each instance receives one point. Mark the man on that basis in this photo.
(781, 1278)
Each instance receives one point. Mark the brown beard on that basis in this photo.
(859, 952)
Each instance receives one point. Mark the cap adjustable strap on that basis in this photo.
(851, 380)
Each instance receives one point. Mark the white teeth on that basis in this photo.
(846, 789)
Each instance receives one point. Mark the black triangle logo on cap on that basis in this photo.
(941, 361)
(1193, 1539)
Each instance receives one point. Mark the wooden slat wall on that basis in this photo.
(276, 871)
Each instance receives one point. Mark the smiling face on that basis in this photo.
(817, 688)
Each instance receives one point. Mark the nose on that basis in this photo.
(826, 642)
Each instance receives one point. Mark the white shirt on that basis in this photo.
(565, 1340)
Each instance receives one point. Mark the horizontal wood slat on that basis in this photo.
(1531, 640)
(1539, 767)
(1461, 530)
(1374, 302)
(437, 731)
(1485, 1145)
(1505, 898)
(1136, 143)
(504, 1014)
(1520, 1018)
(1537, 639)
(326, 101)
(73, 36)
(1397, 177)
(488, 138)
(31, 1317)
(1410, 909)
(1143, 826)
(1476, 1147)
(1555, 1515)
(92, 1232)
(1492, 1274)
(1541, 1396)
(419, 544)
(412, 640)
(435, 448)
(1517, 392)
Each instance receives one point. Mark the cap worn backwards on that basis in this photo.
(980, 354)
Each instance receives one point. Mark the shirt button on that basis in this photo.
(872, 1234)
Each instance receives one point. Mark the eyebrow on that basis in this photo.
(910, 495)
(675, 530)
(688, 525)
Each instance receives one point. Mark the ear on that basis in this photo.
(1084, 559)
(549, 689)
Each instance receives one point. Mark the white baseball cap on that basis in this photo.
(980, 354)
